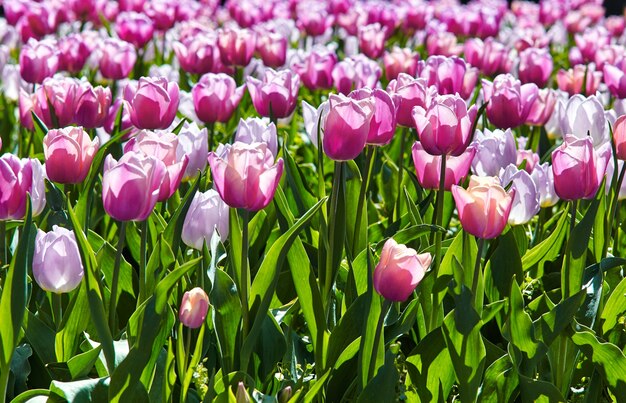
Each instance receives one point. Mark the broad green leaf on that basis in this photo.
(87, 391)
(519, 327)
(548, 249)
(504, 265)
(532, 390)
(382, 387)
(348, 329)
(75, 321)
(500, 383)
(174, 228)
(226, 317)
(614, 308)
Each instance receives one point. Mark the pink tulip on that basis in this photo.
(153, 102)
(535, 66)
(443, 43)
(256, 130)
(272, 48)
(245, 175)
(345, 76)
(117, 58)
(125, 124)
(615, 79)
(590, 41)
(510, 102)
(572, 80)
(490, 57)
(92, 105)
(383, 123)
(400, 60)
(451, 75)
(69, 153)
(372, 40)
(135, 28)
(131, 186)
(347, 127)
(215, 97)
(399, 271)
(408, 92)
(193, 308)
(162, 13)
(531, 158)
(195, 54)
(236, 46)
(132, 5)
(16, 178)
(207, 213)
(57, 266)
(579, 168)
(38, 60)
(619, 137)
(428, 167)
(483, 207)
(193, 143)
(56, 99)
(543, 107)
(615, 24)
(316, 69)
(314, 21)
(73, 53)
(444, 126)
(277, 94)
(162, 146)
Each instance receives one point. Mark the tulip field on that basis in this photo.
(312, 201)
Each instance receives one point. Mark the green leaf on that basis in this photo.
(348, 329)
(94, 295)
(505, 264)
(40, 337)
(87, 391)
(81, 364)
(533, 390)
(614, 308)
(519, 327)
(75, 321)
(548, 249)
(226, 317)
(31, 395)
(381, 388)
(175, 224)
(15, 292)
(500, 382)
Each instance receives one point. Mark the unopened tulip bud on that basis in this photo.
(194, 308)
(57, 266)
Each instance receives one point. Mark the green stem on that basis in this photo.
(370, 152)
(211, 127)
(116, 275)
(438, 239)
(244, 276)
(3, 243)
(4, 382)
(183, 390)
(476, 275)
(142, 260)
(328, 275)
(57, 309)
(379, 329)
(565, 280)
(403, 135)
(614, 204)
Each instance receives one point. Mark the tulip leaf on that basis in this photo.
(266, 279)
(14, 297)
(31, 395)
(175, 225)
(500, 383)
(94, 293)
(302, 195)
(378, 389)
(74, 322)
(614, 308)
(85, 391)
(40, 337)
(548, 249)
(504, 265)
(226, 317)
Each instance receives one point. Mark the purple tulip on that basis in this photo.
(510, 102)
(215, 97)
(57, 266)
(153, 102)
(277, 94)
(207, 213)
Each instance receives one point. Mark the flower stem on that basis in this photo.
(334, 201)
(116, 275)
(57, 309)
(614, 204)
(403, 135)
(211, 127)
(244, 276)
(438, 239)
(379, 328)
(565, 280)
(3, 242)
(142, 261)
(370, 152)
(477, 268)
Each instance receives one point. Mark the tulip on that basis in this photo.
(510, 102)
(16, 178)
(383, 123)
(276, 95)
(125, 123)
(73, 53)
(153, 102)
(372, 40)
(408, 92)
(535, 66)
(490, 57)
(117, 58)
(314, 22)
(57, 266)
(543, 177)
(525, 195)
(193, 143)
(135, 28)
(242, 395)
(316, 70)
(582, 116)
(272, 48)
(236, 46)
(215, 97)
(543, 107)
(451, 75)
(69, 153)
(245, 175)
(529, 156)
(619, 137)
(92, 105)
(195, 54)
(615, 79)
(494, 151)
(347, 127)
(579, 168)
(162, 13)
(443, 43)
(255, 130)
(428, 167)
(400, 60)
(344, 76)
(399, 271)
(207, 213)
(572, 80)
(38, 60)
(444, 126)
(483, 207)
(131, 186)
(164, 147)
(591, 40)
(193, 308)
(314, 119)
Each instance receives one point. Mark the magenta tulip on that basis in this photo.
(135, 28)
(38, 60)
(450, 75)
(117, 58)
(510, 102)
(272, 48)
(195, 54)
(372, 40)
(399, 271)
(73, 53)
(193, 308)
(236, 46)
(428, 167)
(16, 178)
(619, 137)
(483, 207)
(347, 127)
(277, 94)
(245, 175)
(57, 266)
(383, 123)
(153, 102)
(535, 66)
(69, 153)
(215, 97)
(408, 92)
(316, 70)
(92, 105)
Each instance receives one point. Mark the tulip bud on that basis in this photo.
(117, 59)
(347, 127)
(383, 123)
(372, 40)
(510, 102)
(236, 46)
(69, 153)
(38, 60)
(193, 308)
(255, 130)
(535, 66)
(579, 168)
(57, 266)
(276, 94)
(399, 271)
(408, 92)
(207, 213)
(483, 207)
(73, 53)
(92, 106)
(135, 28)
(245, 174)
(450, 75)
(153, 102)
(131, 186)
(195, 54)
(272, 48)
(193, 143)
(215, 97)
(316, 70)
